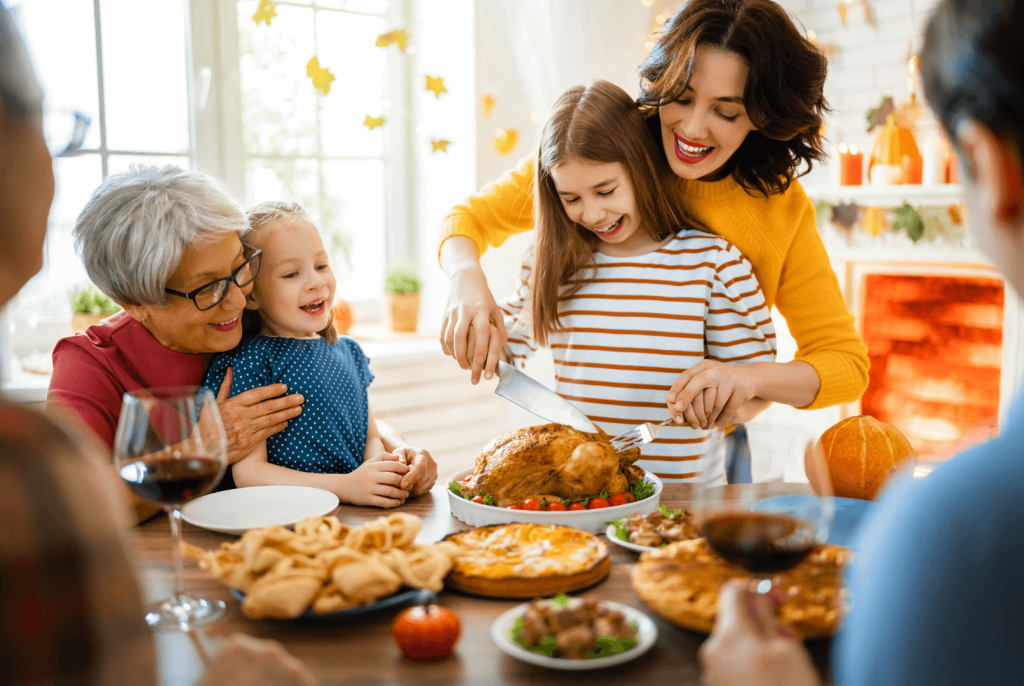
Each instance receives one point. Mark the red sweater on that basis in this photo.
(93, 370)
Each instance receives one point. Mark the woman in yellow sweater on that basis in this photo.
(733, 92)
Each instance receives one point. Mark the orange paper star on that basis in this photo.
(373, 123)
(436, 85)
(488, 103)
(322, 76)
(439, 144)
(399, 37)
(265, 12)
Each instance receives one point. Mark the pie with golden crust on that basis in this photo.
(681, 581)
(522, 560)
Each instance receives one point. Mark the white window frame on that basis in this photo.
(217, 126)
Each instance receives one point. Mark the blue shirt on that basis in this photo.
(937, 590)
(330, 434)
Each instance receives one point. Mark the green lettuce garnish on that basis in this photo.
(456, 488)
(488, 500)
(621, 532)
(664, 510)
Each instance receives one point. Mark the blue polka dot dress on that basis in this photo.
(330, 435)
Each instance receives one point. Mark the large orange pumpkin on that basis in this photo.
(342, 317)
(861, 453)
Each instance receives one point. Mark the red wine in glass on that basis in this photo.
(761, 543)
(172, 480)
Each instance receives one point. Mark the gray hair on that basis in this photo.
(19, 90)
(136, 226)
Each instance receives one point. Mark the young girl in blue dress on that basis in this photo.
(289, 338)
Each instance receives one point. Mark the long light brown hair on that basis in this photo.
(260, 218)
(598, 124)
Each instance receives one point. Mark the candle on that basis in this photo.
(933, 164)
(954, 168)
(913, 168)
(851, 166)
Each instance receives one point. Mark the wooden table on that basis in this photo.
(360, 650)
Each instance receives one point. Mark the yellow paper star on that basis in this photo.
(439, 144)
(265, 12)
(436, 84)
(399, 37)
(373, 123)
(322, 76)
(842, 11)
(505, 140)
(488, 103)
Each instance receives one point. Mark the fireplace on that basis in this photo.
(936, 349)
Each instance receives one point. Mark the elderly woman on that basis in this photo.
(164, 243)
(71, 610)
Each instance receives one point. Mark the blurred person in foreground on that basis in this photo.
(936, 589)
(70, 605)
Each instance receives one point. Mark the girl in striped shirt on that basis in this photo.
(620, 285)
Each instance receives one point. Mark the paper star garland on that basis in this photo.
(265, 12)
(322, 77)
(488, 102)
(436, 85)
(505, 140)
(439, 144)
(399, 37)
(843, 10)
(373, 122)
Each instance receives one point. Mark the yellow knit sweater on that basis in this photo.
(777, 234)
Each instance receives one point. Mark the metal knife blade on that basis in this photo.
(540, 400)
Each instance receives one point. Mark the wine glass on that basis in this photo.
(170, 447)
(770, 525)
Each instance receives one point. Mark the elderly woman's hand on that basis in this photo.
(253, 416)
(749, 647)
(423, 470)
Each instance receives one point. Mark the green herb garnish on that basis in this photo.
(456, 488)
(560, 601)
(664, 510)
(488, 500)
(642, 489)
(606, 645)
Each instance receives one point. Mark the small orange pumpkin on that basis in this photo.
(861, 453)
(892, 144)
(342, 317)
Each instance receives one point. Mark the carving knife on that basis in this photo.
(538, 399)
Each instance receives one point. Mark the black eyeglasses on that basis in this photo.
(211, 295)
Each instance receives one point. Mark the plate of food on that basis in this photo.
(681, 582)
(640, 532)
(238, 510)
(525, 560)
(574, 633)
(552, 474)
(325, 568)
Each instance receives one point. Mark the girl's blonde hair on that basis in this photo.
(598, 123)
(261, 217)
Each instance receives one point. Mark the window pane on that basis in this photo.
(120, 163)
(278, 98)
(346, 41)
(354, 225)
(145, 75)
(68, 84)
(290, 180)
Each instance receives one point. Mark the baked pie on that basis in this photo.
(522, 560)
(681, 582)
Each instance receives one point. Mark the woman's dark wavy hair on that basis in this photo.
(972, 66)
(784, 94)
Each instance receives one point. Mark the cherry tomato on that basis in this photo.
(531, 504)
(468, 477)
(426, 634)
(515, 507)
(597, 503)
(617, 499)
(630, 498)
(556, 507)
(577, 506)
(478, 499)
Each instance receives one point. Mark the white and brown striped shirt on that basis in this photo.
(637, 323)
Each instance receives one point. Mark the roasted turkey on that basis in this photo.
(551, 460)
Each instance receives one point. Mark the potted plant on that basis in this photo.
(89, 306)
(403, 289)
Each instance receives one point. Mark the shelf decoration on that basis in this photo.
(874, 220)
(322, 76)
(399, 37)
(373, 122)
(957, 214)
(851, 166)
(487, 103)
(908, 220)
(869, 11)
(505, 140)
(845, 216)
(435, 84)
(265, 12)
(892, 144)
(439, 144)
(877, 115)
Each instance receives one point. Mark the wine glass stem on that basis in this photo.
(179, 576)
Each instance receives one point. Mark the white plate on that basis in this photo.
(501, 634)
(594, 521)
(240, 509)
(610, 534)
